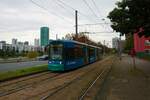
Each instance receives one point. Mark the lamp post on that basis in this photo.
(119, 43)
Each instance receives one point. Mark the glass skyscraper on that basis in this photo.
(44, 36)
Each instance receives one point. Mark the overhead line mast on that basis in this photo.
(76, 22)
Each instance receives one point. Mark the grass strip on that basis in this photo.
(22, 72)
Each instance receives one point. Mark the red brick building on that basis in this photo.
(141, 45)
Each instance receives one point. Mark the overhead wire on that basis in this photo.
(62, 6)
(97, 8)
(94, 24)
(66, 5)
(90, 8)
(63, 3)
(49, 11)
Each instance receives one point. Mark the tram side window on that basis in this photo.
(74, 53)
(78, 52)
(70, 54)
(91, 52)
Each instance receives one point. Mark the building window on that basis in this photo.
(147, 42)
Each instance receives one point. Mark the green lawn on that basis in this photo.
(22, 72)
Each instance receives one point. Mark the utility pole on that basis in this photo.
(104, 48)
(76, 23)
(119, 46)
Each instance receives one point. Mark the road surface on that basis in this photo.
(20, 65)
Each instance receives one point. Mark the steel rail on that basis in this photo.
(93, 83)
(68, 83)
(30, 77)
(19, 88)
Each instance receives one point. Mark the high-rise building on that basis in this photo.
(36, 42)
(2, 44)
(44, 36)
(14, 42)
(20, 46)
(26, 43)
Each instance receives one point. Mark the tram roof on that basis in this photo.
(72, 41)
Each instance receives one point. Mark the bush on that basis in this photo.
(32, 54)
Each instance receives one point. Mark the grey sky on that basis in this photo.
(22, 19)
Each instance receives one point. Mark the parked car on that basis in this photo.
(44, 57)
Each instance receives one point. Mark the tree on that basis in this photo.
(69, 37)
(129, 43)
(131, 16)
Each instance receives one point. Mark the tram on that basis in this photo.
(68, 54)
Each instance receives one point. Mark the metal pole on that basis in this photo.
(104, 48)
(120, 47)
(76, 23)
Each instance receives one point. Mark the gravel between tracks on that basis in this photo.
(76, 89)
(15, 86)
(73, 91)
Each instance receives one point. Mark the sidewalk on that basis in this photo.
(126, 83)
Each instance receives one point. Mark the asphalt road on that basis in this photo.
(20, 65)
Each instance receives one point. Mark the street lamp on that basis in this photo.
(119, 43)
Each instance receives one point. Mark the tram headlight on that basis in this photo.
(50, 62)
(60, 62)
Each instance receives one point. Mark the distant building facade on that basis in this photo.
(36, 42)
(44, 36)
(14, 42)
(2, 45)
(141, 44)
(37, 46)
(115, 43)
(19, 46)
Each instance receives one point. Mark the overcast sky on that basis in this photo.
(22, 19)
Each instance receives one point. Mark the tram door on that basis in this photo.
(85, 54)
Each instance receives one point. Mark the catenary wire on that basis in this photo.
(49, 11)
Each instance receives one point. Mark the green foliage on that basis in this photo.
(130, 16)
(129, 43)
(7, 53)
(32, 54)
(40, 53)
(22, 72)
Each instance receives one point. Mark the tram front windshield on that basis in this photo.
(56, 52)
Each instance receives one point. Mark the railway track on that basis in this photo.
(43, 92)
(100, 77)
(59, 88)
(54, 90)
(16, 86)
(7, 83)
(51, 78)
